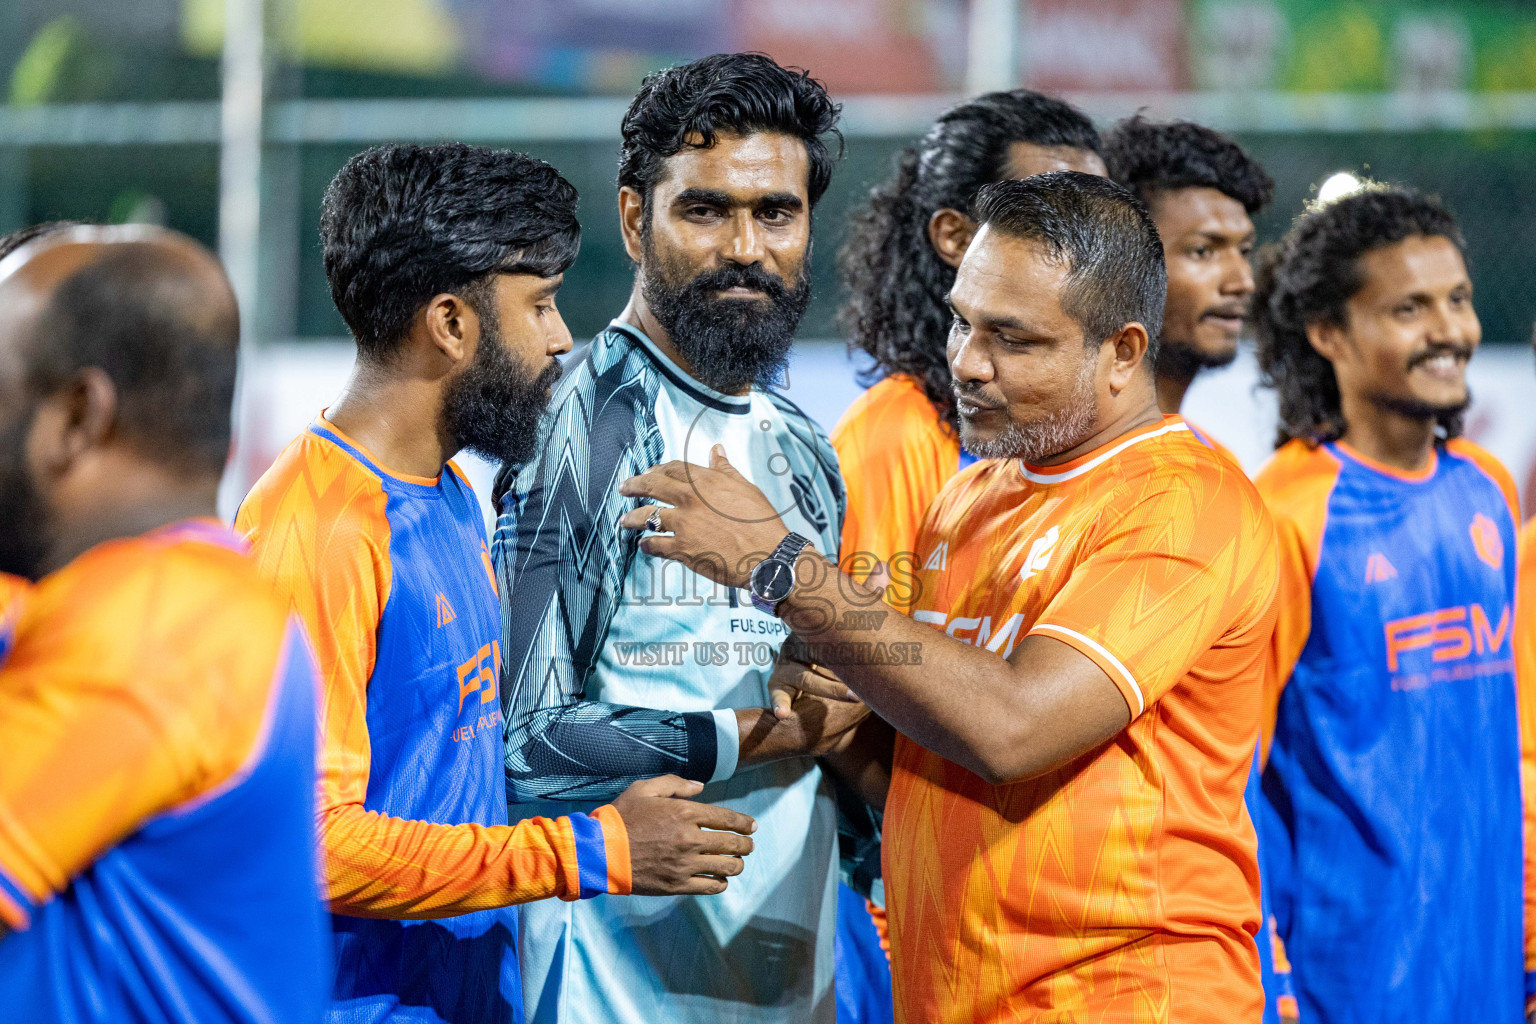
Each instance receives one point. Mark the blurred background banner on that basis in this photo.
(150, 110)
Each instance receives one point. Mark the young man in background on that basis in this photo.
(1202, 191)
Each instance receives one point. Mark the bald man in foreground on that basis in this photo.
(157, 710)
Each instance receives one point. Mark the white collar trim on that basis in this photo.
(1056, 478)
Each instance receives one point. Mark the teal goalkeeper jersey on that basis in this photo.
(620, 666)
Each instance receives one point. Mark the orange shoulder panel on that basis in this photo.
(1216, 446)
(1491, 466)
(896, 455)
(140, 680)
(1296, 484)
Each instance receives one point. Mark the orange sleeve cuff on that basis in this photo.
(1100, 656)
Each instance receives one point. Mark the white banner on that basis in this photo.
(288, 384)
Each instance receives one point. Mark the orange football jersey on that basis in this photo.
(1124, 886)
(895, 454)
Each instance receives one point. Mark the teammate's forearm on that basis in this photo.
(384, 867)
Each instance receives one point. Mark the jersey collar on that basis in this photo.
(1417, 477)
(1088, 462)
(738, 404)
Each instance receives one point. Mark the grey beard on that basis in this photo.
(1065, 428)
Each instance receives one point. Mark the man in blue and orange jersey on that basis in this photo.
(444, 261)
(1393, 780)
(1078, 688)
(158, 708)
(899, 443)
(1202, 191)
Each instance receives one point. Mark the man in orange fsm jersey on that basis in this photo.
(1202, 191)
(1064, 831)
(158, 708)
(899, 443)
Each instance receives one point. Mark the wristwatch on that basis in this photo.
(773, 579)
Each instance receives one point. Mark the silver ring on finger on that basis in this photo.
(654, 523)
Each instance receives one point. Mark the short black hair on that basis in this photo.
(402, 223)
(21, 236)
(1309, 277)
(895, 283)
(740, 93)
(1114, 258)
(168, 344)
(1149, 157)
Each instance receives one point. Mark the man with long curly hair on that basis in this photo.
(1393, 782)
(899, 443)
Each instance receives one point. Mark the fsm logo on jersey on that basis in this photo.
(1452, 636)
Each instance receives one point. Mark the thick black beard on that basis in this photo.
(493, 407)
(731, 344)
(25, 539)
(1182, 362)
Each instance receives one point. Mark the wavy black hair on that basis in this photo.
(400, 224)
(895, 284)
(1308, 277)
(1104, 235)
(1149, 157)
(739, 93)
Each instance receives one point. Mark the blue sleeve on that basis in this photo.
(561, 560)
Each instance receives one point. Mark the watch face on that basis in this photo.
(772, 580)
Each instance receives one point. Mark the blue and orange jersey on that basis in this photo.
(157, 792)
(392, 577)
(1525, 674)
(1393, 776)
(1123, 886)
(13, 591)
(896, 454)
